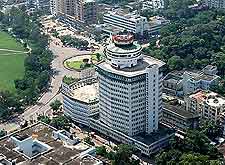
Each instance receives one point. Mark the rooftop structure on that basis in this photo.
(178, 117)
(37, 145)
(185, 82)
(80, 99)
(208, 104)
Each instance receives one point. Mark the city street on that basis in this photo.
(42, 106)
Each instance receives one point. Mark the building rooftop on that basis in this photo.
(111, 28)
(173, 78)
(200, 76)
(86, 93)
(179, 110)
(210, 98)
(125, 14)
(193, 74)
(161, 133)
(59, 152)
(89, 1)
(138, 69)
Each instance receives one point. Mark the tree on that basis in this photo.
(194, 147)
(89, 141)
(60, 122)
(2, 133)
(55, 105)
(101, 151)
(211, 129)
(98, 56)
(175, 62)
(123, 155)
(44, 119)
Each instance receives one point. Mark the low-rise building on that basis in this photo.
(177, 117)
(180, 83)
(80, 100)
(208, 104)
(215, 3)
(156, 23)
(38, 144)
(131, 22)
(172, 84)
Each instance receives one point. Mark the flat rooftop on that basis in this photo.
(60, 153)
(179, 110)
(86, 93)
(140, 68)
(162, 132)
(125, 14)
(210, 98)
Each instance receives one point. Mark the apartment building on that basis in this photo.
(42, 144)
(208, 104)
(82, 10)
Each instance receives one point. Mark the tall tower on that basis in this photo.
(130, 88)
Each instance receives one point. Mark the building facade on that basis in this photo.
(128, 21)
(180, 83)
(215, 3)
(209, 105)
(80, 100)
(82, 10)
(129, 98)
(130, 88)
(177, 117)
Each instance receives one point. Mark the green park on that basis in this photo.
(12, 56)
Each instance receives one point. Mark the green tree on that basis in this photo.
(44, 119)
(55, 105)
(2, 133)
(89, 141)
(175, 62)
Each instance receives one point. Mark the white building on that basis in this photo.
(129, 21)
(215, 3)
(186, 82)
(209, 105)
(80, 100)
(152, 4)
(129, 88)
(129, 98)
(193, 81)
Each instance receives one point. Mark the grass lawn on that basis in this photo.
(73, 64)
(11, 64)
(7, 42)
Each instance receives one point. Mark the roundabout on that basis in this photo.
(80, 62)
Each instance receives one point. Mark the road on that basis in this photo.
(42, 106)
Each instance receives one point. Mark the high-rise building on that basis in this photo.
(130, 88)
(82, 10)
(128, 104)
(215, 3)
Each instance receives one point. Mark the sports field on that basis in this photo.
(12, 56)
